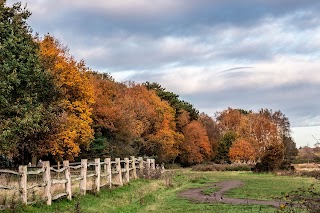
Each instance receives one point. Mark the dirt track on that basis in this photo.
(196, 195)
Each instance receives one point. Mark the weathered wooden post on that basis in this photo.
(47, 182)
(141, 166)
(118, 168)
(67, 176)
(127, 168)
(108, 171)
(133, 166)
(83, 173)
(58, 167)
(148, 167)
(23, 184)
(98, 170)
(153, 164)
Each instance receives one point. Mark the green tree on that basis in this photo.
(26, 90)
(290, 149)
(224, 146)
(174, 101)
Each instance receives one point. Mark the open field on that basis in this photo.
(163, 195)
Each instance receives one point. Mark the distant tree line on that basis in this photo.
(55, 107)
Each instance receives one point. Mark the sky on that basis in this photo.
(215, 54)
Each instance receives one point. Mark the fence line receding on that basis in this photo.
(90, 175)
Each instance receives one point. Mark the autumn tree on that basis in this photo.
(75, 101)
(283, 126)
(213, 132)
(132, 120)
(196, 147)
(173, 100)
(256, 131)
(242, 151)
(105, 113)
(154, 123)
(271, 159)
(229, 120)
(27, 92)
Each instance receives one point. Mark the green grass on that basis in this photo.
(209, 190)
(156, 196)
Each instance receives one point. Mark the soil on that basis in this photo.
(196, 195)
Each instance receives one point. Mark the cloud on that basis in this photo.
(214, 53)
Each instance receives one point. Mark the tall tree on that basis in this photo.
(224, 146)
(196, 147)
(242, 151)
(26, 90)
(173, 99)
(213, 132)
(75, 102)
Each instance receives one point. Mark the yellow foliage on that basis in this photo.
(75, 101)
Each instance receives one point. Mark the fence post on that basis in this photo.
(127, 168)
(148, 164)
(153, 164)
(108, 171)
(47, 182)
(67, 176)
(118, 168)
(23, 184)
(148, 167)
(98, 170)
(141, 166)
(83, 173)
(133, 165)
(58, 166)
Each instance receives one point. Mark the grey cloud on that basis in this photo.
(132, 37)
(295, 100)
(148, 41)
(184, 18)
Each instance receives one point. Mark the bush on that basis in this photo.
(269, 166)
(5, 162)
(173, 166)
(315, 174)
(286, 165)
(222, 167)
(239, 167)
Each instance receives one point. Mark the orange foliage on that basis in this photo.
(75, 102)
(154, 122)
(263, 133)
(195, 147)
(229, 120)
(253, 130)
(136, 114)
(183, 118)
(213, 132)
(242, 151)
(105, 112)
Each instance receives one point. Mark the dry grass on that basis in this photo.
(307, 167)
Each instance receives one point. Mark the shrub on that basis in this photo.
(286, 165)
(222, 167)
(315, 174)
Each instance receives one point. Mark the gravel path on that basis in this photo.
(196, 195)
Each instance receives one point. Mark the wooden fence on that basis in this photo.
(104, 173)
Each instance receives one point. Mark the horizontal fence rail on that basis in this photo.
(96, 173)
